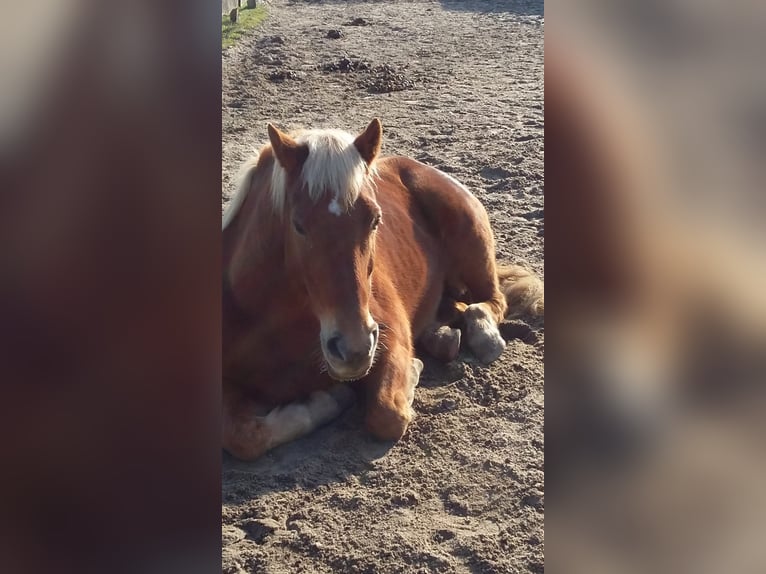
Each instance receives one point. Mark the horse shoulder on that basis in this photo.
(444, 200)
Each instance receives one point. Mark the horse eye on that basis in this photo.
(376, 222)
(298, 228)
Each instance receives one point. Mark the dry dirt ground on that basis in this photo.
(463, 490)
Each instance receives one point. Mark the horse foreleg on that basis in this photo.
(249, 429)
(390, 392)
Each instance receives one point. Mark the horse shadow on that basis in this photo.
(343, 450)
(330, 455)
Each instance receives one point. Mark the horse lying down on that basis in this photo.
(335, 264)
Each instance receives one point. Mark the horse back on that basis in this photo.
(446, 204)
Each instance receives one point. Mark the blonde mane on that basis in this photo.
(333, 163)
(243, 181)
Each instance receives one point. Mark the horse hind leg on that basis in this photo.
(519, 291)
(248, 433)
(481, 332)
(441, 341)
(494, 291)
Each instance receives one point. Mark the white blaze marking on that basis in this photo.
(334, 207)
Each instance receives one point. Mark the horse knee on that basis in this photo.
(388, 424)
(244, 450)
(246, 441)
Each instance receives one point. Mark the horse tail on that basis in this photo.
(523, 290)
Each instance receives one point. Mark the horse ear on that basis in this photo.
(289, 153)
(369, 141)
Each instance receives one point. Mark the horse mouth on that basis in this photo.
(345, 367)
(345, 375)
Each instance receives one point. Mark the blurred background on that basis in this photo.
(656, 277)
(109, 286)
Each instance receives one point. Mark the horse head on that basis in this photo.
(323, 189)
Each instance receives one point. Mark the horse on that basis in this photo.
(338, 262)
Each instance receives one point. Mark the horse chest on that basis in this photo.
(276, 354)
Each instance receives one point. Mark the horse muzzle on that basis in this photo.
(349, 359)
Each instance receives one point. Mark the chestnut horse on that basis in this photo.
(336, 262)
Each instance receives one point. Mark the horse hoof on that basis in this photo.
(482, 335)
(417, 368)
(443, 343)
(488, 350)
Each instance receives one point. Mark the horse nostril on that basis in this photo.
(335, 348)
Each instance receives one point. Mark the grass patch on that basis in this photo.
(248, 19)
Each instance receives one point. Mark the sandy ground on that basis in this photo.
(463, 491)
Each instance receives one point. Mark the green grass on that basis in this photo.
(248, 19)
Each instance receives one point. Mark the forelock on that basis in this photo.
(333, 165)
